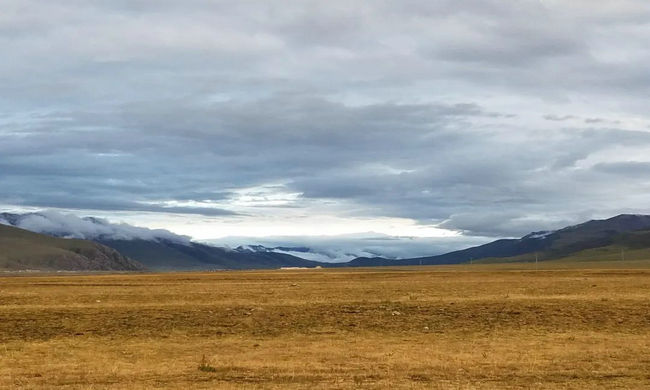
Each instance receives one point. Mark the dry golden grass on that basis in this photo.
(424, 327)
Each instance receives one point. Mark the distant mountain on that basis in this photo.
(24, 250)
(164, 250)
(262, 248)
(156, 249)
(545, 245)
(324, 255)
(169, 255)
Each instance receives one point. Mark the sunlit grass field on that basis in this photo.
(562, 325)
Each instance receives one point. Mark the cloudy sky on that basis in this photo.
(449, 120)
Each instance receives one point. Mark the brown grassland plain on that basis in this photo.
(481, 326)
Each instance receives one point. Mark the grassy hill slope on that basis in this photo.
(630, 246)
(22, 250)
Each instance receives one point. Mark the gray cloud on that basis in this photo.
(433, 111)
(558, 118)
(632, 169)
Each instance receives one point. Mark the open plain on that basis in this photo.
(562, 326)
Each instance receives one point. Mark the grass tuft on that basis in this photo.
(205, 366)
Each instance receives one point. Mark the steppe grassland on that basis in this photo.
(484, 326)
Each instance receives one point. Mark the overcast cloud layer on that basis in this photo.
(490, 118)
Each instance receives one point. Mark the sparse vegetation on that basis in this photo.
(583, 325)
(205, 365)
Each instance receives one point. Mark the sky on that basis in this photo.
(440, 121)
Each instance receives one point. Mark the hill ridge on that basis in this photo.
(25, 250)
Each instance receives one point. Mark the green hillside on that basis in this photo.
(24, 250)
(630, 246)
(609, 253)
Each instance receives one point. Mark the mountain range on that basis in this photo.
(63, 238)
(155, 249)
